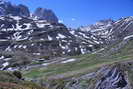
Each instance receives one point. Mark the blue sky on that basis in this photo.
(75, 13)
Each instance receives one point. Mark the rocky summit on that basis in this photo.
(48, 53)
(46, 14)
(6, 8)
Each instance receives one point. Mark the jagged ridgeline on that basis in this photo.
(8, 8)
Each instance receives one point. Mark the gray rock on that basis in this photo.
(6, 8)
(46, 14)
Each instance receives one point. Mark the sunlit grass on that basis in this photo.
(85, 63)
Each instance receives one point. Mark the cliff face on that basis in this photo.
(46, 14)
(6, 8)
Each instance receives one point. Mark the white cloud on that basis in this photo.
(73, 19)
(61, 21)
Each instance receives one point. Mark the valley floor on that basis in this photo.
(79, 66)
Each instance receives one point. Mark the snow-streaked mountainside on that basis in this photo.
(97, 56)
(110, 30)
(41, 38)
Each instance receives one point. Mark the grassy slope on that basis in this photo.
(10, 81)
(84, 64)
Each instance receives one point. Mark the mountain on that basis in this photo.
(6, 8)
(97, 56)
(111, 30)
(106, 68)
(102, 24)
(46, 14)
(42, 39)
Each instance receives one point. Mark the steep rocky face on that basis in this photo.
(23, 11)
(6, 8)
(46, 14)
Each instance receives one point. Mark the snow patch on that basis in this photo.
(20, 46)
(30, 32)
(45, 64)
(16, 17)
(98, 51)
(12, 69)
(63, 52)
(36, 53)
(32, 44)
(69, 50)
(15, 46)
(42, 39)
(24, 46)
(72, 32)
(83, 51)
(61, 36)
(8, 49)
(7, 59)
(49, 38)
(42, 24)
(16, 36)
(69, 60)
(2, 57)
(5, 64)
(3, 40)
(28, 25)
(127, 37)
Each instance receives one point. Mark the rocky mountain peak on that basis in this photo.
(46, 14)
(104, 22)
(6, 8)
(100, 25)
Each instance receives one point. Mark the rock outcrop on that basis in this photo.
(46, 14)
(6, 8)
